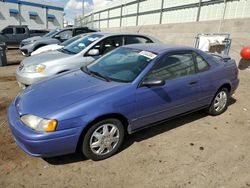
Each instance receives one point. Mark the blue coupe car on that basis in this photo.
(126, 90)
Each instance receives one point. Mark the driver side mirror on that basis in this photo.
(93, 52)
(153, 82)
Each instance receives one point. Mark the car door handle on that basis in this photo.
(193, 82)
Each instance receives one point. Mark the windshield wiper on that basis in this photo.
(89, 72)
(99, 75)
(66, 51)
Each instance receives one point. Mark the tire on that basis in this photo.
(107, 143)
(220, 103)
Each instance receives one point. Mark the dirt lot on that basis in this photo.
(193, 151)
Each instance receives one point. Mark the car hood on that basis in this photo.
(32, 39)
(46, 98)
(44, 58)
(50, 47)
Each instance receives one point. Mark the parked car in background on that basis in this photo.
(131, 88)
(52, 47)
(12, 35)
(56, 36)
(79, 53)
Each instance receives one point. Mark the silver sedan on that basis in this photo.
(75, 55)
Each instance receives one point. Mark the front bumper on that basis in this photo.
(24, 78)
(42, 144)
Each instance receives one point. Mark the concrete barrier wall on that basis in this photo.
(184, 33)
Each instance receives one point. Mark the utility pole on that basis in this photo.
(199, 11)
(82, 12)
(223, 15)
(137, 12)
(82, 7)
(19, 13)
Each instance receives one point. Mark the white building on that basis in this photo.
(34, 13)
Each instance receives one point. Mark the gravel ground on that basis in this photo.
(192, 151)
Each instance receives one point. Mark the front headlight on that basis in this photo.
(28, 42)
(39, 124)
(35, 68)
(40, 68)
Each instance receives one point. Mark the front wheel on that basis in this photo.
(103, 139)
(220, 103)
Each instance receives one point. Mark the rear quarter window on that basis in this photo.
(202, 65)
(20, 30)
(136, 39)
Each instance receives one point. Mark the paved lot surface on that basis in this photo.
(193, 151)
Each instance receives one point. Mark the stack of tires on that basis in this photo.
(3, 59)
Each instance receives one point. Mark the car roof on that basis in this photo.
(119, 33)
(71, 28)
(158, 47)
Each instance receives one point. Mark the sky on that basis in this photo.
(72, 8)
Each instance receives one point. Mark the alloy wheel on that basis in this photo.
(104, 139)
(220, 101)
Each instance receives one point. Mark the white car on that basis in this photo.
(47, 48)
(75, 55)
(52, 47)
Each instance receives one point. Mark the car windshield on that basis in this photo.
(81, 44)
(122, 64)
(71, 40)
(52, 33)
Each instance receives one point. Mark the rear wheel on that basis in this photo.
(103, 139)
(220, 102)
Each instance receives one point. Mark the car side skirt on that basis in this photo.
(131, 131)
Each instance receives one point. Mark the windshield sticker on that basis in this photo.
(81, 45)
(147, 54)
(92, 39)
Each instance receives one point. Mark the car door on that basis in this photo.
(8, 36)
(104, 46)
(179, 94)
(21, 33)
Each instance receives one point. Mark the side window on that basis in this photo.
(8, 30)
(80, 31)
(38, 31)
(65, 34)
(91, 30)
(173, 66)
(136, 39)
(20, 30)
(109, 44)
(202, 65)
